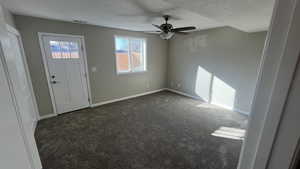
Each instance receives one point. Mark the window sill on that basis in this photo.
(129, 73)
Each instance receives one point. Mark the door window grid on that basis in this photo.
(64, 50)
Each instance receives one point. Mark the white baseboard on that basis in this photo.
(109, 101)
(138, 95)
(183, 94)
(47, 116)
(242, 112)
(198, 98)
(125, 98)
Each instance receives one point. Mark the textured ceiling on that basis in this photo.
(138, 15)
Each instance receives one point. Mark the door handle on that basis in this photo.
(54, 82)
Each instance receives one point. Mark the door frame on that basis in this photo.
(31, 157)
(276, 72)
(45, 63)
(28, 77)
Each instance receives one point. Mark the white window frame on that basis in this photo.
(129, 54)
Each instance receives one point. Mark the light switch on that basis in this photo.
(94, 69)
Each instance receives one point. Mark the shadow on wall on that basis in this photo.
(213, 90)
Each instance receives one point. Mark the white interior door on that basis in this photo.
(18, 78)
(66, 72)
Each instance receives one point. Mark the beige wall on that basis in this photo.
(105, 83)
(9, 18)
(224, 55)
(213, 64)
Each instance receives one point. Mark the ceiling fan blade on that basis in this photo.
(182, 33)
(152, 32)
(188, 28)
(157, 26)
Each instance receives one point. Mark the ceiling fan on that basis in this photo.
(167, 30)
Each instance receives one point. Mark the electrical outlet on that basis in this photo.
(178, 85)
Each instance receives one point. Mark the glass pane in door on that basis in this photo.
(64, 50)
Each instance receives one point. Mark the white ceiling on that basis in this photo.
(245, 15)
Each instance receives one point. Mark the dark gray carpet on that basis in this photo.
(158, 131)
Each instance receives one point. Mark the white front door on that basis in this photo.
(66, 72)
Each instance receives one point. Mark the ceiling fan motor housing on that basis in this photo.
(166, 27)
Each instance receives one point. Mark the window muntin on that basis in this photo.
(130, 54)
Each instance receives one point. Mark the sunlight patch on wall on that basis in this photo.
(230, 133)
(203, 84)
(213, 90)
(222, 94)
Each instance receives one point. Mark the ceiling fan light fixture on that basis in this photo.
(166, 36)
(167, 30)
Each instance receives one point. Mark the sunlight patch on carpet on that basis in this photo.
(230, 133)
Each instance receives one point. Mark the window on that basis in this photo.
(130, 54)
(64, 50)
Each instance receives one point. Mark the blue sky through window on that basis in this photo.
(122, 44)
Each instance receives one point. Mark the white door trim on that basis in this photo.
(17, 33)
(30, 154)
(261, 133)
(45, 63)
